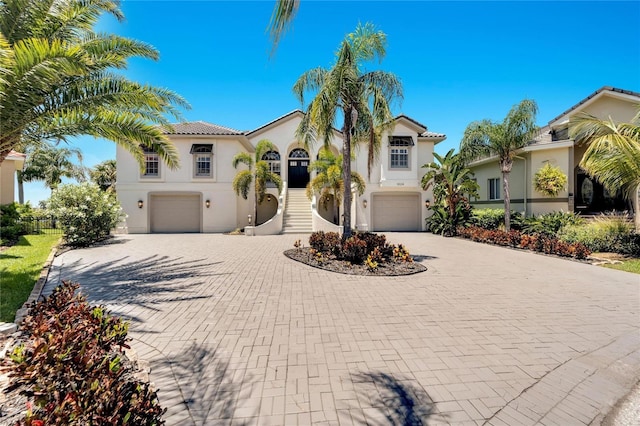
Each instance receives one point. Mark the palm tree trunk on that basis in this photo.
(507, 201)
(255, 207)
(346, 173)
(20, 186)
(635, 201)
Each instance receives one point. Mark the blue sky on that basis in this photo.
(458, 61)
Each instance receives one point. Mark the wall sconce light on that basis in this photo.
(364, 203)
(140, 204)
(427, 203)
(207, 203)
(269, 198)
(249, 219)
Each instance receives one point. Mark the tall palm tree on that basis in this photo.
(329, 181)
(104, 175)
(485, 138)
(257, 173)
(50, 164)
(362, 99)
(56, 80)
(452, 182)
(612, 155)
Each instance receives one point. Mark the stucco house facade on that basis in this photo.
(554, 146)
(14, 161)
(198, 196)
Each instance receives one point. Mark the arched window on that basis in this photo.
(298, 153)
(202, 155)
(273, 160)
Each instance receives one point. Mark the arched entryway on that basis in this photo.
(297, 170)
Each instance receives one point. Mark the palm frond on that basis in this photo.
(281, 19)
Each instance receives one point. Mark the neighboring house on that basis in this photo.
(198, 197)
(14, 161)
(553, 145)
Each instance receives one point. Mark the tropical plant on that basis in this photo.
(453, 184)
(104, 175)
(85, 213)
(57, 80)
(50, 164)
(72, 366)
(485, 138)
(549, 180)
(551, 223)
(362, 98)
(256, 173)
(612, 155)
(494, 218)
(607, 233)
(283, 13)
(329, 182)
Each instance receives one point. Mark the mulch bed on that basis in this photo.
(387, 269)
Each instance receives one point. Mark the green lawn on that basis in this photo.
(632, 265)
(20, 267)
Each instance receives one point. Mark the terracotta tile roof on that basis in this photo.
(201, 128)
(597, 92)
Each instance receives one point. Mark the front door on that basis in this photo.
(298, 172)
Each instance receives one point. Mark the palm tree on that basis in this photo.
(613, 154)
(283, 13)
(56, 80)
(50, 164)
(452, 182)
(329, 181)
(256, 173)
(362, 98)
(104, 175)
(485, 138)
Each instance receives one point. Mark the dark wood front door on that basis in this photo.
(298, 173)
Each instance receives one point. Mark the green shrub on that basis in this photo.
(10, 226)
(551, 223)
(494, 219)
(72, 366)
(607, 233)
(443, 223)
(85, 213)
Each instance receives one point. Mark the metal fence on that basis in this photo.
(39, 225)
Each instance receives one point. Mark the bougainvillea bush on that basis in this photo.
(72, 367)
(85, 213)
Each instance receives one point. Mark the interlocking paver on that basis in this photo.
(236, 333)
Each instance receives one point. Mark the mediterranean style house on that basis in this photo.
(14, 161)
(554, 146)
(198, 197)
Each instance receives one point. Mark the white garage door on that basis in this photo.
(396, 212)
(175, 213)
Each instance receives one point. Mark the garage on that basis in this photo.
(396, 212)
(175, 213)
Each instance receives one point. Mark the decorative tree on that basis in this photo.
(484, 138)
(256, 173)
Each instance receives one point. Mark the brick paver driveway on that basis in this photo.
(237, 333)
